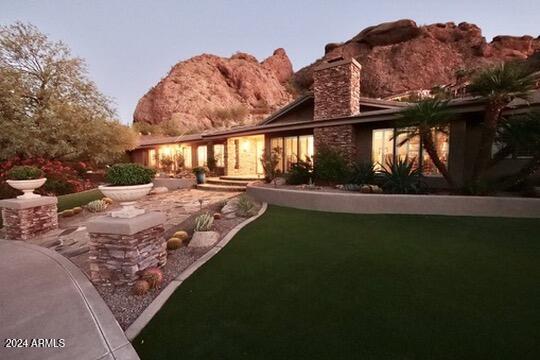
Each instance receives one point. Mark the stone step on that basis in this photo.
(218, 181)
(242, 177)
(214, 187)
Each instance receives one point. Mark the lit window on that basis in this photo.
(277, 143)
(219, 154)
(305, 147)
(441, 140)
(201, 155)
(185, 150)
(152, 158)
(382, 147)
(408, 149)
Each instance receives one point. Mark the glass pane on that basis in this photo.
(408, 149)
(201, 155)
(152, 158)
(186, 151)
(278, 143)
(442, 141)
(382, 147)
(291, 149)
(219, 153)
(305, 147)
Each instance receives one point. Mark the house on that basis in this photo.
(335, 115)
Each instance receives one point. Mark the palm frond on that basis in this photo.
(503, 80)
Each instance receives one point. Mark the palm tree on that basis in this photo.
(423, 120)
(499, 85)
(518, 135)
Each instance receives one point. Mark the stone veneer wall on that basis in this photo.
(119, 259)
(336, 88)
(340, 138)
(24, 224)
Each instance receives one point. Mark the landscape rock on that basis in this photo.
(204, 238)
(159, 190)
(229, 210)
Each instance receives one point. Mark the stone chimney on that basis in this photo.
(336, 87)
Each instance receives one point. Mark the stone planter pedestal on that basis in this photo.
(25, 219)
(120, 249)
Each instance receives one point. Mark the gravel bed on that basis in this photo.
(126, 306)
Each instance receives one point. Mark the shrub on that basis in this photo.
(166, 163)
(270, 163)
(402, 177)
(129, 174)
(204, 222)
(199, 170)
(245, 207)
(330, 166)
(154, 277)
(300, 173)
(24, 172)
(362, 172)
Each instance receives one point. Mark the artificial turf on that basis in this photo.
(299, 284)
(70, 201)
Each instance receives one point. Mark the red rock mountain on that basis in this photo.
(208, 91)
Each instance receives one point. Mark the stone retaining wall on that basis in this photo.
(26, 219)
(350, 202)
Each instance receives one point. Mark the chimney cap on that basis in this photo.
(337, 61)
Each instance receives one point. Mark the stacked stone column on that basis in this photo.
(24, 219)
(121, 249)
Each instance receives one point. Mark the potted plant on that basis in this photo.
(127, 184)
(200, 172)
(26, 179)
(203, 235)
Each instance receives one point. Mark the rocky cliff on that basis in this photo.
(400, 56)
(208, 91)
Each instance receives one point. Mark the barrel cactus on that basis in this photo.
(204, 222)
(174, 243)
(182, 235)
(97, 206)
(154, 277)
(108, 200)
(141, 287)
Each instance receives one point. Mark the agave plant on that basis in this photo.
(400, 176)
(362, 172)
(204, 222)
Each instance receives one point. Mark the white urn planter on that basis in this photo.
(127, 196)
(27, 187)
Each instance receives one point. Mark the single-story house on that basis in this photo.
(336, 115)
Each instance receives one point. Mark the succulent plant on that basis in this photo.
(154, 277)
(245, 207)
(174, 243)
(141, 287)
(352, 187)
(97, 206)
(108, 200)
(182, 235)
(204, 222)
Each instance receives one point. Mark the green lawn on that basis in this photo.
(70, 201)
(310, 285)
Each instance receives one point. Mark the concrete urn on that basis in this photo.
(127, 196)
(27, 187)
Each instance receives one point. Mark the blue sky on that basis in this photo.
(129, 45)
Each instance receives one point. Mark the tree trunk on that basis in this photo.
(489, 131)
(429, 146)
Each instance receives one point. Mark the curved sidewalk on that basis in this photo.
(46, 300)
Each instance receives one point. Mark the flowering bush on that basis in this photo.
(62, 177)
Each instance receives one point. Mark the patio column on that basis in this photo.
(25, 219)
(120, 249)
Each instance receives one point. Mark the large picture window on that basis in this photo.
(201, 155)
(219, 154)
(293, 148)
(388, 144)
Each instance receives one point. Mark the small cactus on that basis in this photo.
(182, 235)
(108, 200)
(174, 243)
(153, 276)
(97, 206)
(141, 287)
(204, 222)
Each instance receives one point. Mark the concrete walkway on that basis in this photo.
(46, 301)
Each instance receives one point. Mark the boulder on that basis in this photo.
(204, 238)
(229, 210)
(389, 33)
